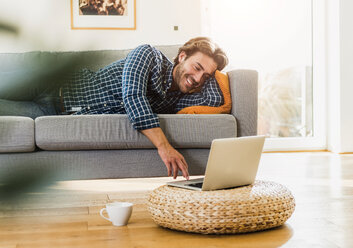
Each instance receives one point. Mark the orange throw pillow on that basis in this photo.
(223, 82)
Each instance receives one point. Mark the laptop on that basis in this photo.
(232, 162)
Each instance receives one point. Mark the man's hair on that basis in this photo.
(206, 46)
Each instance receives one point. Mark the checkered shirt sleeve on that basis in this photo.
(137, 68)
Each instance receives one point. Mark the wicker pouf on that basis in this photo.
(259, 206)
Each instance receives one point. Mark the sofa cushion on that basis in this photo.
(16, 134)
(87, 132)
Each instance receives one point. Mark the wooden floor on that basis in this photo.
(67, 214)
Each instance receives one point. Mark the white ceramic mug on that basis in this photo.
(119, 212)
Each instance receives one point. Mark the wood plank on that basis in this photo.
(44, 211)
(42, 227)
(153, 237)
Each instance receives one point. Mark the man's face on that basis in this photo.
(193, 71)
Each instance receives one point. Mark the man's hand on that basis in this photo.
(172, 159)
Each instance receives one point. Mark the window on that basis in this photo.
(275, 38)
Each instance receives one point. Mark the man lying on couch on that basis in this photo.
(142, 85)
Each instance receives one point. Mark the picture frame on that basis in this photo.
(103, 14)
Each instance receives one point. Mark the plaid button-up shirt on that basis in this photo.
(137, 86)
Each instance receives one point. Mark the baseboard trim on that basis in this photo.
(296, 151)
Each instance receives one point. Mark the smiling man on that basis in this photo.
(194, 67)
(142, 85)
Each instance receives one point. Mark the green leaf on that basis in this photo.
(4, 27)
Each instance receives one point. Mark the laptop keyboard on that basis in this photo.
(197, 185)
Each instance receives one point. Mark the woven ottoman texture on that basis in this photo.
(256, 207)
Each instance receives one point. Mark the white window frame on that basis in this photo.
(319, 139)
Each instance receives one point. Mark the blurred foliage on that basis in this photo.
(4, 27)
(20, 178)
(16, 183)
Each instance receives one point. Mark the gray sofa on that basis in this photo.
(106, 146)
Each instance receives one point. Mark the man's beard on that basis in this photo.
(179, 73)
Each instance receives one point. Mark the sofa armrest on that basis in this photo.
(244, 92)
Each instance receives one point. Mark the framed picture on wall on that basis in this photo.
(103, 14)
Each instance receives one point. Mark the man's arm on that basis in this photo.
(135, 79)
(172, 159)
(210, 95)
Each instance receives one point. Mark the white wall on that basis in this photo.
(340, 75)
(263, 35)
(45, 25)
(346, 41)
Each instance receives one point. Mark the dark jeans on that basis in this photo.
(31, 98)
